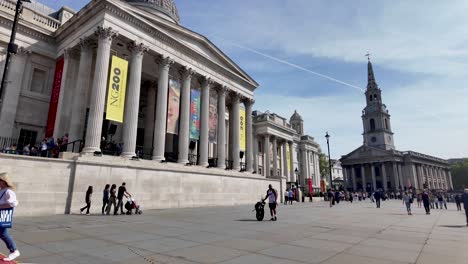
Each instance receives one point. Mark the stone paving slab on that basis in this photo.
(304, 233)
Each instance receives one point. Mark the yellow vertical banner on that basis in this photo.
(288, 157)
(242, 142)
(116, 90)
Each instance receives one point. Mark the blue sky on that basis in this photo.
(419, 52)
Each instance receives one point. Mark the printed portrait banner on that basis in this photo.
(195, 114)
(116, 90)
(54, 97)
(213, 119)
(173, 107)
(288, 157)
(242, 141)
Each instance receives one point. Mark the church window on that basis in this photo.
(375, 97)
(370, 97)
(372, 124)
(386, 124)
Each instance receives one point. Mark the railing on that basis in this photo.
(75, 145)
(45, 20)
(193, 159)
(31, 15)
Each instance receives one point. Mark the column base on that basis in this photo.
(203, 164)
(236, 168)
(128, 155)
(158, 158)
(184, 161)
(90, 150)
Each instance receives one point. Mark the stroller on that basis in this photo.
(130, 205)
(260, 210)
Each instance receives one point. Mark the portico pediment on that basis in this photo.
(366, 153)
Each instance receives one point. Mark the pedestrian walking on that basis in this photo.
(44, 148)
(7, 203)
(286, 197)
(377, 197)
(330, 197)
(105, 198)
(120, 195)
(458, 202)
(351, 197)
(432, 200)
(337, 197)
(112, 200)
(89, 193)
(272, 197)
(419, 200)
(464, 200)
(426, 202)
(440, 199)
(408, 200)
(290, 196)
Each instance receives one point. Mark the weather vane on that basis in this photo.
(368, 56)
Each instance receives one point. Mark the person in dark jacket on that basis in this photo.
(377, 197)
(464, 199)
(105, 198)
(89, 193)
(337, 197)
(458, 202)
(426, 202)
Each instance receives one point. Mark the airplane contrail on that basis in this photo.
(295, 66)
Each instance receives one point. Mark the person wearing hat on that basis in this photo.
(7, 201)
(465, 203)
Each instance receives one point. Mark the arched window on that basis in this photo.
(376, 97)
(370, 97)
(386, 124)
(372, 124)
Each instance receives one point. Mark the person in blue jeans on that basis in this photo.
(7, 201)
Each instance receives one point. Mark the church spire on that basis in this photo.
(371, 83)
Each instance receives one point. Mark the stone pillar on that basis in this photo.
(400, 176)
(235, 133)
(149, 117)
(450, 179)
(266, 152)
(345, 178)
(249, 135)
(98, 93)
(284, 158)
(275, 158)
(292, 175)
(132, 103)
(255, 153)
(363, 175)
(160, 123)
(303, 175)
(204, 121)
(353, 175)
(395, 177)
(184, 124)
(374, 182)
(384, 177)
(221, 140)
(79, 101)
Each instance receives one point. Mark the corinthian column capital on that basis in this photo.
(206, 81)
(137, 48)
(106, 33)
(164, 61)
(186, 73)
(86, 44)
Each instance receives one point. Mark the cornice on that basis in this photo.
(28, 31)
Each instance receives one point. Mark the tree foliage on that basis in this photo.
(459, 172)
(323, 164)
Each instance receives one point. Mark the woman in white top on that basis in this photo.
(7, 200)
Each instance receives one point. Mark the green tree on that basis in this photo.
(459, 172)
(323, 164)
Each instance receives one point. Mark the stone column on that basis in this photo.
(303, 175)
(353, 175)
(345, 178)
(184, 125)
(374, 182)
(395, 177)
(255, 153)
(450, 179)
(204, 120)
(221, 140)
(266, 152)
(400, 176)
(149, 117)
(363, 175)
(275, 158)
(285, 161)
(249, 135)
(79, 103)
(160, 123)
(132, 103)
(292, 176)
(384, 177)
(98, 93)
(235, 133)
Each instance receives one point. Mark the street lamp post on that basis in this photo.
(12, 47)
(329, 160)
(298, 186)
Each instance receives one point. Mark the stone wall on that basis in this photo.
(53, 186)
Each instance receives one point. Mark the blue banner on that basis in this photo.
(195, 114)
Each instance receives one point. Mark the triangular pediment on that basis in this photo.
(197, 43)
(366, 152)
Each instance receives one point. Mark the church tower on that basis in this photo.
(297, 123)
(375, 117)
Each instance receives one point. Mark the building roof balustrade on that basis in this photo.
(30, 15)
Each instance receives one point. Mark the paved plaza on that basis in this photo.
(304, 233)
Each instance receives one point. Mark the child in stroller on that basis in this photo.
(130, 205)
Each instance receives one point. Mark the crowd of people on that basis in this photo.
(111, 196)
(48, 147)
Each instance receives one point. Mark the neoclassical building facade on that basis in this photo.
(281, 150)
(377, 165)
(149, 36)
